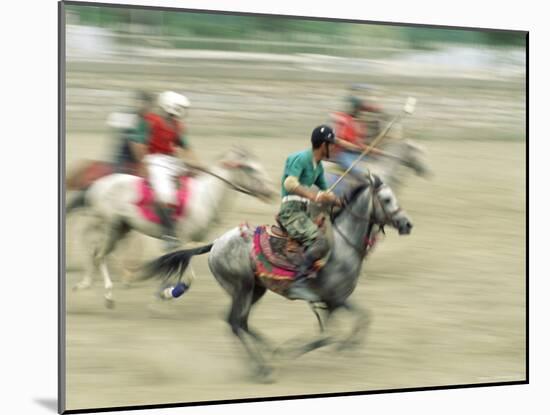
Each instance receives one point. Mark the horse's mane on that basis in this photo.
(349, 197)
(352, 194)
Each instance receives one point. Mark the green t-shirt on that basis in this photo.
(301, 165)
(140, 133)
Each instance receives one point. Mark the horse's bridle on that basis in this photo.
(389, 216)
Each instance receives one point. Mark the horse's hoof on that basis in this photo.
(284, 353)
(109, 302)
(81, 286)
(350, 345)
(264, 374)
(278, 353)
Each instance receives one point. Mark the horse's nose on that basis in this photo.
(406, 227)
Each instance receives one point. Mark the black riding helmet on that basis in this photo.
(322, 134)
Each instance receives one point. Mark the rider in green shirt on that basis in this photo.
(303, 170)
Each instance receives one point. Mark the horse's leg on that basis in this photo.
(238, 321)
(259, 291)
(170, 292)
(114, 234)
(361, 324)
(353, 339)
(129, 263)
(90, 269)
(315, 309)
(295, 350)
(86, 281)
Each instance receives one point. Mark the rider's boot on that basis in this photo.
(300, 289)
(169, 237)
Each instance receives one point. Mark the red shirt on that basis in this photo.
(348, 128)
(164, 136)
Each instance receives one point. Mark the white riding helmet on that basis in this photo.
(173, 103)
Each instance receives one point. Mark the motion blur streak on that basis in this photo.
(448, 302)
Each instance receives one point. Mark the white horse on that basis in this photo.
(111, 203)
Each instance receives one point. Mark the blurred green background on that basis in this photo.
(280, 29)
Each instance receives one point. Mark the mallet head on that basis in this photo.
(409, 105)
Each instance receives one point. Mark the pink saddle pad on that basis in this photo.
(147, 200)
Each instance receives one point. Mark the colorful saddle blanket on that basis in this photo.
(276, 258)
(147, 200)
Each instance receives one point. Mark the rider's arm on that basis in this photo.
(374, 150)
(186, 153)
(349, 146)
(184, 142)
(138, 140)
(320, 182)
(358, 148)
(292, 186)
(323, 195)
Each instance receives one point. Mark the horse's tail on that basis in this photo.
(172, 264)
(78, 201)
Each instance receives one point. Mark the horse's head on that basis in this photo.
(407, 154)
(248, 173)
(359, 200)
(414, 157)
(387, 210)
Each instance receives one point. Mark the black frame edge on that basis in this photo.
(527, 206)
(61, 356)
(293, 397)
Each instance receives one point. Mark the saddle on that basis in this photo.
(277, 257)
(280, 249)
(290, 248)
(146, 201)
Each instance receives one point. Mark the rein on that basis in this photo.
(231, 185)
(362, 251)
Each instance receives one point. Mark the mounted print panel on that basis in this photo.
(275, 207)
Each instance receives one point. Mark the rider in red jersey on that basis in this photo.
(352, 133)
(162, 146)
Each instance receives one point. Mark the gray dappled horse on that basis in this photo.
(366, 207)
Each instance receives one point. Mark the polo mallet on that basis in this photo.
(407, 110)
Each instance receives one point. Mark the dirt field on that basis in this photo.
(447, 302)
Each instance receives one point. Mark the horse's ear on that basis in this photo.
(377, 181)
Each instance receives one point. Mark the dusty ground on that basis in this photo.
(447, 302)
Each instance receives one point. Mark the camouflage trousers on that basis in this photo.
(297, 222)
